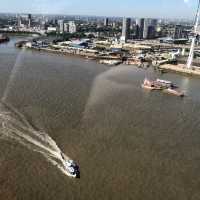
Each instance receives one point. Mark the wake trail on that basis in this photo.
(17, 113)
(14, 126)
(22, 132)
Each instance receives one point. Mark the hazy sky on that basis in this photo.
(132, 8)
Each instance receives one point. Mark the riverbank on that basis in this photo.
(58, 52)
(181, 68)
(107, 60)
(22, 33)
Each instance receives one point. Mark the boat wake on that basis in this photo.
(15, 127)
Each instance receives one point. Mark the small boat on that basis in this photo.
(165, 83)
(110, 62)
(4, 38)
(150, 85)
(174, 92)
(72, 169)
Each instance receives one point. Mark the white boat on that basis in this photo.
(72, 169)
(165, 83)
(110, 62)
(150, 85)
(147, 87)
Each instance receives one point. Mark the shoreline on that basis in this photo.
(87, 56)
(62, 53)
(106, 60)
(180, 68)
(20, 33)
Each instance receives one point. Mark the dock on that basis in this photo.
(181, 68)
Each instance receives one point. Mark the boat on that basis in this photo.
(72, 169)
(174, 92)
(165, 86)
(4, 38)
(21, 44)
(165, 83)
(150, 85)
(110, 62)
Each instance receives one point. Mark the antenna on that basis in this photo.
(191, 54)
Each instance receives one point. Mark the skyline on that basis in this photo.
(128, 8)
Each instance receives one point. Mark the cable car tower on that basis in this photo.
(191, 54)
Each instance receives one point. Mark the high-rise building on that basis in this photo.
(19, 22)
(179, 32)
(146, 28)
(114, 24)
(106, 22)
(151, 32)
(61, 26)
(147, 23)
(140, 28)
(154, 22)
(66, 27)
(29, 20)
(72, 27)
(126, 29)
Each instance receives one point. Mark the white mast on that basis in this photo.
(191, 55)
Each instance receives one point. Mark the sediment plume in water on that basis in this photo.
(104, 83)
(15, 127)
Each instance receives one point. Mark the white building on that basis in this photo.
(66, 27)
(72, 27)
(145, 30)
(125, 29)
(61, 26)
(51, 29)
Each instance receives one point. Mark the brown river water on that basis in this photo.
(128, 142)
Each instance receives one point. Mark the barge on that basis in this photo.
(163, 85)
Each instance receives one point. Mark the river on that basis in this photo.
(128, 142)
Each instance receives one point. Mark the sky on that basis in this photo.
(129, 8)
